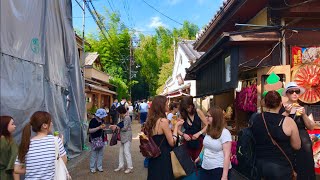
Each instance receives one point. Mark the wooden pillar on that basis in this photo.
(99, 100)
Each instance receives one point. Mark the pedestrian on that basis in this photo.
(36, 156)
(113, 112)
(131, 111)
(96, 127)
(195, 124)
(124, 126)
(8, 149)
(304, 120)
(143, 111)
(216, 147)
(271, 162)
(157, 127)
(173, 109)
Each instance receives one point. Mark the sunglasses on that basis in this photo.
(207, 116)
(291, 91)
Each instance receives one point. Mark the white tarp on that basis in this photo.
(39, 67)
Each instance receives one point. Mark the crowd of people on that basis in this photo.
(282, 144)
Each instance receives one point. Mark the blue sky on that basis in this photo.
(141, 17)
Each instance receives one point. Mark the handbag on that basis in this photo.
(182, 164)
(97, 143)
(114, 138)
(61, 171)
(148, 147)
(294, 174)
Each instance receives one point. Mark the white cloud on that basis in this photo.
(156, 22)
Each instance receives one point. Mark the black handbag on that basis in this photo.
(114, 138)
(182, 164)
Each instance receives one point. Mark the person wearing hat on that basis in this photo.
(304, 120)
(96, 127)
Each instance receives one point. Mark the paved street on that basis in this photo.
(79, 167)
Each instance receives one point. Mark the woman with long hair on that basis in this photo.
(36, 155)
(124, 126)
(304, 120)
(157, 127)
(216, 147)
(195, 124)
(272, 164)
(8, 148)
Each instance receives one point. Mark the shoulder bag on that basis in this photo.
(294, 174)
(61, 171)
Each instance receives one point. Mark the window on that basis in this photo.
(227, 66)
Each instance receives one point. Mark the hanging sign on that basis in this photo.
(304, 55)
(296, 56)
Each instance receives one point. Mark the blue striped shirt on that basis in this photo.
(40, 158)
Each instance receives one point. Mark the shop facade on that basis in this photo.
(248, 40)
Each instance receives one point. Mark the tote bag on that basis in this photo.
(61, 171)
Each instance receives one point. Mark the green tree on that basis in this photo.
(155, 55)
(114, 51)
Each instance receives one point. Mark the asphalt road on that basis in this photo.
(79, 167)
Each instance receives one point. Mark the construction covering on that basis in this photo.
(40, 68)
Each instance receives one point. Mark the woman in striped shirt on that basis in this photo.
(36, 156)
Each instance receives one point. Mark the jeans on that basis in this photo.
(96, 159)
(212, 174)
(125, 150)
(143, 117)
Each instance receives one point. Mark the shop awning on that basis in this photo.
(100, 88)
(177, 94)
(177, 90)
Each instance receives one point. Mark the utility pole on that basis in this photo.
(83, 29)
(130, 66)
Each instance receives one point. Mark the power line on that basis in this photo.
(110, 5)
(162, 13)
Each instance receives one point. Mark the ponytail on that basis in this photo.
(25, 142)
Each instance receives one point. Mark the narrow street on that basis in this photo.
(79, 167)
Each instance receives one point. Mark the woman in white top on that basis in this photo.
(217, 147)
(36, 156)
(173, 109)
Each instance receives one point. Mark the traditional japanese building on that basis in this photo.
(248, 39)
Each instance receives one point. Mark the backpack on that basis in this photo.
(148, 147)
(246, 155)
(124, 105)
(113, 110)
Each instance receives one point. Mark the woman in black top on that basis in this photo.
(96, 127)
(304, 157)
(157, 126)
(271, 163)
(193, 131)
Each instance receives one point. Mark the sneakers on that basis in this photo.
(118, 169)
(93, 171)
(100, 170)
(129, 170)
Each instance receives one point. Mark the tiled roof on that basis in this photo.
(187, 47)
(90, 58)
(204, 30)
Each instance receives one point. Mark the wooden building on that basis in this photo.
(247, 40)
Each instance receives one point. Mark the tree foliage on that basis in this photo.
(155, 54)
(114, 51)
